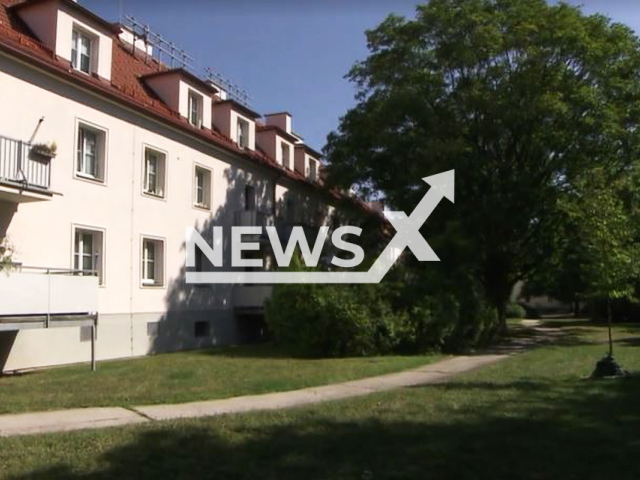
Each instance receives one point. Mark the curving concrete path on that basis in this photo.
(85, 418)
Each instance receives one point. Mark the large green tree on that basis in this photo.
(519, 97)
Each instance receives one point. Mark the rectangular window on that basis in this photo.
(290, 211)
(152, 262)
(201, 329)
(243, 133)
(154, 172)
(202, 187)
(249, 197)
(81, 48)
(88, 252)
(284, 148)
(313, 170)
(91, 153)
(195, 109)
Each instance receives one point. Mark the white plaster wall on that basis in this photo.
(42, 231)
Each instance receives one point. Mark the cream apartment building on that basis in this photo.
(142, 151)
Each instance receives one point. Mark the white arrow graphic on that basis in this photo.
(408, 235)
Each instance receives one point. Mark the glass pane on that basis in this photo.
(150, 270)
(85, 63)
(87, 262)
(85, 45)
(87, 244)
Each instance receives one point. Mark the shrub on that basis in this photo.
(398, 315)
(331, 320)
(515, 311)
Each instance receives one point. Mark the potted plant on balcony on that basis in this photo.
(47, 150)
(6, 255)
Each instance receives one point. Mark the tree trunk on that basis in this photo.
(609, 327)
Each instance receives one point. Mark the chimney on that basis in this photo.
(281, 120)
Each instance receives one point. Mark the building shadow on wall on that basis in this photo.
(200, 316)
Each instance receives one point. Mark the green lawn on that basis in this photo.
(530, 417)
(185, 377)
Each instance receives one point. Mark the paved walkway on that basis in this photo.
(84, 418)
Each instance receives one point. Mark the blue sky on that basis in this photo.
(289, 54)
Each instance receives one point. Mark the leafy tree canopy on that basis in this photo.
(519, 97)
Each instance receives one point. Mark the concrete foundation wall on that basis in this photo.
(119, 336)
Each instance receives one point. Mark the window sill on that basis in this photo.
(156, 286)
(154, 195)
(89, 178)
(202, 207)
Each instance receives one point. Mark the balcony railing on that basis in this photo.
(20, 164)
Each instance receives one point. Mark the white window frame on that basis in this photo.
(77, 36)
(98, 254)
(286, 160)
(158, 261)
(205, 188)
(242, 132)
(313, 170)
(99, 175)
(195, 107)
(160, 173)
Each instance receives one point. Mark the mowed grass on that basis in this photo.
(533, 416)
(185, 377)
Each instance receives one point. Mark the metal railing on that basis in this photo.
(20, 164)
(20, 268)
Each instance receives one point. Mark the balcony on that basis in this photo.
(25, 172)
(32, 297)
(46, 298)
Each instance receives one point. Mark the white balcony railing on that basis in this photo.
(47, 292)
(20, 164)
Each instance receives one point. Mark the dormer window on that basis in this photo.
(195, 109)
(81, 51)
(243, 133)
(285, 155)
(313, 170)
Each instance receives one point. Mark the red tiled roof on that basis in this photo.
(126, 86)
(240, 107)
(114, 28)
(185, 73)
(309, 150)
